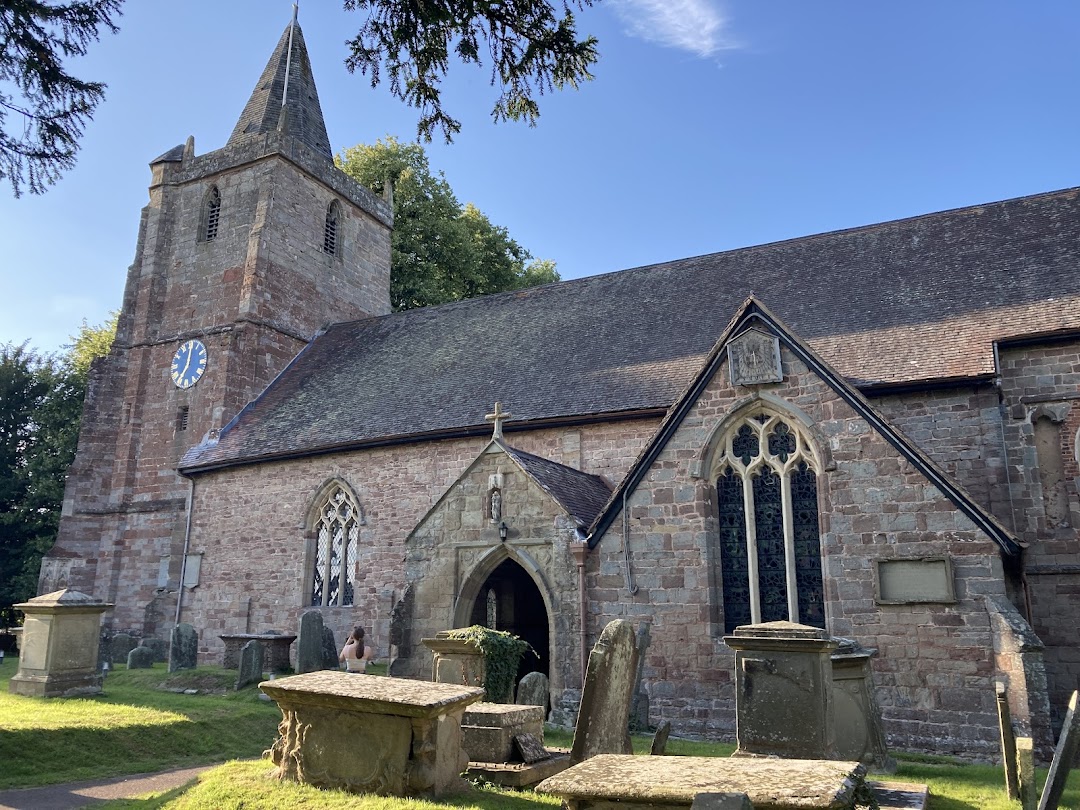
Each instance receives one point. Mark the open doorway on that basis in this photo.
(510, 600)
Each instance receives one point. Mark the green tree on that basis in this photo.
(41, 398)
(531, 49)
(440, 251)
(50, 107)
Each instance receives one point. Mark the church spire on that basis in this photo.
(302, 116)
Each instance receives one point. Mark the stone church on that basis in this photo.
(874, 431)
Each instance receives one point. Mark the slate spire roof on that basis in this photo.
(304, 119)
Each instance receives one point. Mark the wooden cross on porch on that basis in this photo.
(498, 417)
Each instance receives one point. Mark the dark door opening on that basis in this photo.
(509, 600)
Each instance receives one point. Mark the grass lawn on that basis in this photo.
(131, 728)
(136, 728)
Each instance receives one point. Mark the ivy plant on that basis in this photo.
(502, 654)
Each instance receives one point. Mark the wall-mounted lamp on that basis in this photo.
(502, 532)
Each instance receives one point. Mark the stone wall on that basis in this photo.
(936, 662)
(250, 525)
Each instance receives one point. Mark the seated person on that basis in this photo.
(354, 654)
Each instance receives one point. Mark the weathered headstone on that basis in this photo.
(309, 647)
(1008, 743)
(159, 646)
(721, 801)
(603, 719)
(533, 691)
(530, 748)
(660, 738)
(140, 658)
(1064, 756)
(639, 708)
(1025, 760)
(251, 664)
(119, 647)
(329, 649)
(184, 649)
(783, 690)
(58, 649)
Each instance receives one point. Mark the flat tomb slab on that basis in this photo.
(518, 774)
(372, 694)
(369, 734)
(643, 783)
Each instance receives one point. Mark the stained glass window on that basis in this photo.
(336, 549)
(770, 560)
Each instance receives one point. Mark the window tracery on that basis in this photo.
(769, 543)
(337, 537)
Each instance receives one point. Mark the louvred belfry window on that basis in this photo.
(338, 534)
(211, 215)
(330, 228)
(769, 543)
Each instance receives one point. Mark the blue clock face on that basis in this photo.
(188, 364)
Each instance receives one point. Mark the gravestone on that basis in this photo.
(603, 719)
(309, 647)
(251, 664)
(783, 690)
(140, 658)
(530, 748)
(1025, 762)
(58, 648)
(159, 646)
(329, 650)
(455, 660)
(1064, 756)
(639, 708)
(1008, 743)
(660, 738)
(533, 691)
(488, 729)
(119, 647)
(184, 649)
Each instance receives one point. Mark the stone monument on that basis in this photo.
(604, 717)
(856, 717)
(368, 734)
(309, 648)
(184, 648)
(532, 690)
(251, 664)
(140, 658)
(455, 660)
(783, 690)
(58, 651)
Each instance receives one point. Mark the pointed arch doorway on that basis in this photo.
(510, 600)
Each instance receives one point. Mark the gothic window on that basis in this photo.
(330, 228)
(211, 215)
(769, 546)
(337, 530)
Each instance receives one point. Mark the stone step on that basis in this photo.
(900, 795)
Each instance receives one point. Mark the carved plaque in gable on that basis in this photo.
(754, 358)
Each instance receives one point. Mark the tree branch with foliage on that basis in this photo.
(440, 251)
(531, 47)
(43, 108)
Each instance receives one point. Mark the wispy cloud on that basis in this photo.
(696, 26)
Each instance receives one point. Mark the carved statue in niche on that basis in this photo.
(495, 504)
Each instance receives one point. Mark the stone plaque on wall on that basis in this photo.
(754, 358)
(924, 579)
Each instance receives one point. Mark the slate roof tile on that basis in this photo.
(582, 495)
(901, 302)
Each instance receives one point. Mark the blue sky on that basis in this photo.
(711, 125)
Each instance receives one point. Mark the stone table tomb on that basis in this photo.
(650, 783)
(369, 734)
(276, 646)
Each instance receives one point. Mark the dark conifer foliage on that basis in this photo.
(531, 47)
(43, 108)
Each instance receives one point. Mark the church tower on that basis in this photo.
(243, 255)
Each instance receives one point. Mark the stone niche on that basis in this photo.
(58, 654)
